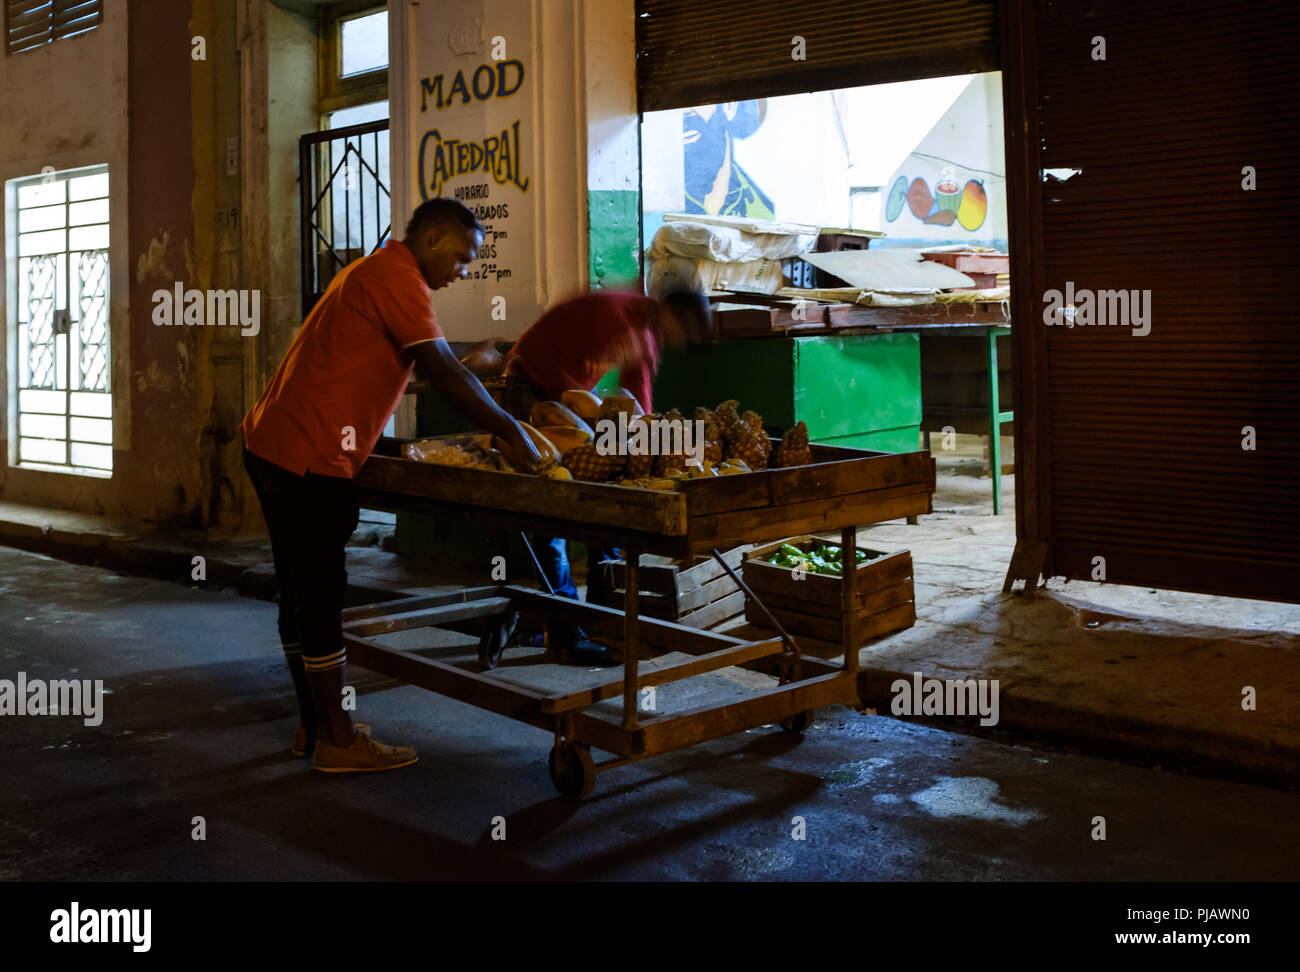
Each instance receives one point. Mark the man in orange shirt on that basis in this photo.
(314, 427)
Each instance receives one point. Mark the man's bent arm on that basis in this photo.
(436, 360)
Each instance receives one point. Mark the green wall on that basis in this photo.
(614, 240)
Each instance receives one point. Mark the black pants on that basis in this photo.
(310, 519)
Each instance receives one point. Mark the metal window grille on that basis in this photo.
(30, 24)
(345, 211)
(65, 402)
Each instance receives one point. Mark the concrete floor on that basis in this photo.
(1145, 673)
(201, 712)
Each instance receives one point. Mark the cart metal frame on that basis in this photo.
(857, 488)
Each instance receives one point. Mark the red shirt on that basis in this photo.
(574, 344)
(344, 374)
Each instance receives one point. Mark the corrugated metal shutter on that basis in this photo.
(698, 53)
(1143, 440)
(33, 23)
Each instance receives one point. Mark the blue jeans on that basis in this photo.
(553, 554)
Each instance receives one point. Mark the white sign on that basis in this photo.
(471, 137)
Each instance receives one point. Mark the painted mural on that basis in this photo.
(945, 205)
(715, 183)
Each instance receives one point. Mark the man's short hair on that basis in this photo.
(692, 308)
(442, 212)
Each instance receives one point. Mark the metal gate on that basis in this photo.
(735, 50)
(1161, 449)
(345, 211)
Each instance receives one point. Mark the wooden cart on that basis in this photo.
(842, 489)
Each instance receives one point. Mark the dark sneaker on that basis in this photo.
(581, 650)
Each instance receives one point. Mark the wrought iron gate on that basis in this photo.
(345, 211)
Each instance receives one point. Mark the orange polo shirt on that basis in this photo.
(343, 376)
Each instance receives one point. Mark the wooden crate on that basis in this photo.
(979, 281)
(698, 594)
(852, 487)
(971, 263)
(742, 320)
(830, 240)
(812, 606)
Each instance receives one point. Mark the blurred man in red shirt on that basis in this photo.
(574, 345)
(315, 425)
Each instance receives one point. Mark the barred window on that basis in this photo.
(30, 24)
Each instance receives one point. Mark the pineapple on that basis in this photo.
(667, 461)
(639, 467)
(754, 422)
(712, 427)
(794, 449)
(584, 462)
(727, 414)
(746, 446)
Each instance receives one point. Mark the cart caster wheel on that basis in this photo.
(799, 721)
(494, 641)
(573, 771)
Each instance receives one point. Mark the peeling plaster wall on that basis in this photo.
(66, 106)
(215, 121)
(132, 94)
(161, 478)
(278, 91)
(291, 93)
(121, 94)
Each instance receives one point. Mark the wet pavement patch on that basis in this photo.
(970, 796)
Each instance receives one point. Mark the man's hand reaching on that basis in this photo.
(467, 393)
(519, 451)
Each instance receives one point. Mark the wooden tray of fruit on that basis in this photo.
(723, 483)
(799, 581)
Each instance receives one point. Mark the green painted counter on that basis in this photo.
(861, 390)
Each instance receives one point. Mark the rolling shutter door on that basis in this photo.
(696, 53)
(1139, 440)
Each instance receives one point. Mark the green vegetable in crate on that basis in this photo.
(826, 559)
